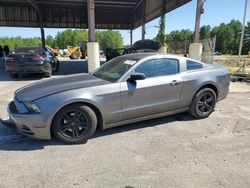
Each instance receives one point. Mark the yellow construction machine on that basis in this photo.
(76, 52)
(73, 52)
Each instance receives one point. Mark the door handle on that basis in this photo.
(175, 82)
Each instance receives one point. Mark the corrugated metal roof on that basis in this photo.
(110, 14)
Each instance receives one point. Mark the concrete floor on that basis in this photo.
(174, 151)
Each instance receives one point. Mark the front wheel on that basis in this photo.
(74, 124)
(203, 103)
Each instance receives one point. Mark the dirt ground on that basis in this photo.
(173, 151)
(231, 62)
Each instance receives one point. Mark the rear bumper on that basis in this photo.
(223, 88)
(32, 125)
(27, 68)
(223, 94)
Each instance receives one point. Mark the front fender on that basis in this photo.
(50, 105)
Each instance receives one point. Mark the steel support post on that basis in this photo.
(242, 32)
(143, 19)
(42, 37)
(93, 51)
(198, 20)
(131, 37)
(91, 20)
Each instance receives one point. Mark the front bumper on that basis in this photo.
(8, 123)
(32, 125)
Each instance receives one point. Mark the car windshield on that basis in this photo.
(114, 69)
(32, 50)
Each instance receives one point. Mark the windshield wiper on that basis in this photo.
(96, 75)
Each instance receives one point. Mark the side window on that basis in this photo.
(192, 65)
(47, 51)
(158, 67)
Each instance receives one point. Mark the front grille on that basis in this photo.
(12, 107)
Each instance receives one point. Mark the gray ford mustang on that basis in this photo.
(127, 89)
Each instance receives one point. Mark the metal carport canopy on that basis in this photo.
(109, 14)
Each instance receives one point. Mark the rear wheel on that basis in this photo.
(48, 73)
(13, 75)
(74, 124)
(203, 103)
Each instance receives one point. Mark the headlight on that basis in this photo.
(31, 107)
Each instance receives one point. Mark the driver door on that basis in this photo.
(159, 92)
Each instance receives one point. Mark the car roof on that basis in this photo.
(140, 56)
(30, 47)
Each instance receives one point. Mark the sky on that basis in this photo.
(216, 12)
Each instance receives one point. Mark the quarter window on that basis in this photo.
(158, 67)
(192, 65)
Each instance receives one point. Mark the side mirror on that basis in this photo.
(137, 76)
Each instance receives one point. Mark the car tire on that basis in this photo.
(49, 73)
(74, 124)
(203, 103)
(13, 75)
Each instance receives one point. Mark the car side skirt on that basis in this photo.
(143, 118)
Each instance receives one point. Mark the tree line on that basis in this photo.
(14, 42)
(106, 39)
(227, 36)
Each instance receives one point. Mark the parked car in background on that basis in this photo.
(1, 51)
(217, 53)
(31, 60)
(102, 54)
(6, 50)
(127, 89)
(138, 47)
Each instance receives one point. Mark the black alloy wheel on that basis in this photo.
(206, 103)
(203, 103)
(74, 124)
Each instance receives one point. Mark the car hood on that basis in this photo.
(58, 84)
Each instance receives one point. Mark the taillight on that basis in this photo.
(37, 58)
